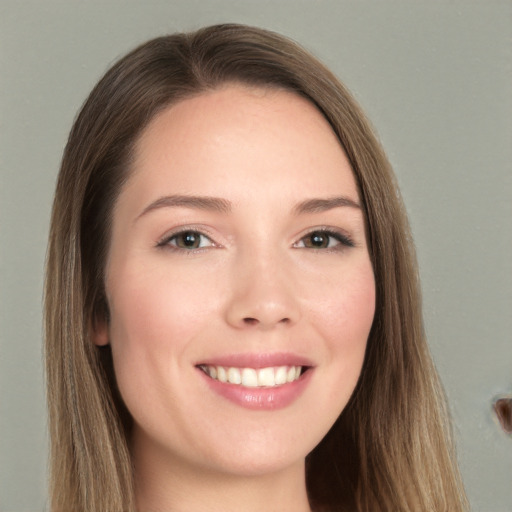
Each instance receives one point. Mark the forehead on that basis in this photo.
(238, 139)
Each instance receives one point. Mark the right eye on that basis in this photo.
(186, 240)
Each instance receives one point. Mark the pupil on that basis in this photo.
(318, 240)
(189, 239)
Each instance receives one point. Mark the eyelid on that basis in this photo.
(163, 241)
(344, 239)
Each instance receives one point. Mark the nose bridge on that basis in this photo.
(262, 289)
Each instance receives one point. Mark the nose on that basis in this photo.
(262, 295)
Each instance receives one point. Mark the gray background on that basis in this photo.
(434, 78)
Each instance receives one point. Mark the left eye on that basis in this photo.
(323, 240)
(188, 240)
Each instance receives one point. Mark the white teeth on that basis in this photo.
(251, 377)
(280, 377)
(266, 377)
(221, 374)
(234, 376)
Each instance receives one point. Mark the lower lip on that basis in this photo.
(269, 398)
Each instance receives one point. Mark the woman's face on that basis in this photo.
(239, 283)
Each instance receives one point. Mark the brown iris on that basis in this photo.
(317, 240)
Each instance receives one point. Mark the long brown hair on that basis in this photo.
(391, 448)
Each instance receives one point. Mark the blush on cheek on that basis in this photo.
(350, 310)
(153, 318)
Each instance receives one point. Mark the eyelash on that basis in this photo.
(165, 242)
(344, 240)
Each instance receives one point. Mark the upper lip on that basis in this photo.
(257, 360)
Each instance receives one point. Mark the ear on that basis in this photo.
(100, 322)
(100, 334)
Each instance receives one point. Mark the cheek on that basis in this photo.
(155, 319)
(341, 313)
(344, 317)
(346, 307)
(151, 306)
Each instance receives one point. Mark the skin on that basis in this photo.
(254, 285)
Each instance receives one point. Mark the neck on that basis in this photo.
(165, 484)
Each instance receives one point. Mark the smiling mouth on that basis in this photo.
(254, 378)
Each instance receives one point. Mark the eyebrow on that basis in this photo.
(322, 205)
(216, 204)
(206, 203)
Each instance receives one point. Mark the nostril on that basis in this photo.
(254, 321)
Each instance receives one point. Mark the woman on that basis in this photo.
(233, 310)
